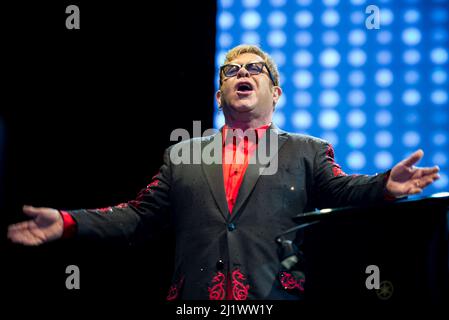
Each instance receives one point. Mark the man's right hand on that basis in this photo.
(46, 225)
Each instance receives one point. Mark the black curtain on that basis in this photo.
(87, 114)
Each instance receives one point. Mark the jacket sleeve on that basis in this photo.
(149, 212)
(334, 188)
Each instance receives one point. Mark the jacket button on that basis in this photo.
(231, 227)
(220, 264)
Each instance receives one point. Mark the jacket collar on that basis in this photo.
(214, 172)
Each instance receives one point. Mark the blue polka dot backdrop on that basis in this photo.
(376, 93)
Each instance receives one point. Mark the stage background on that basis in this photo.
(376, 94)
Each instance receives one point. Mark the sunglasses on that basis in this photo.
(253, 68)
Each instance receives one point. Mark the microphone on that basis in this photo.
(288, 254)
(288, 251)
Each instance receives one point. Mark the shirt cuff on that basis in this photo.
(69, 225)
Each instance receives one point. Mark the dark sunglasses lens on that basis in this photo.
(230, 70)
(254, 68)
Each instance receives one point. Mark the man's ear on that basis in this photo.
(277, 93)
(218, 97)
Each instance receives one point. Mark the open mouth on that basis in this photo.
(244, 87)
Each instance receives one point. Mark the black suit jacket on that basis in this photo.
(221, 255)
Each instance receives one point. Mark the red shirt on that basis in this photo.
(237, 150)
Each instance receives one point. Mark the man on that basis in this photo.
(227, 215)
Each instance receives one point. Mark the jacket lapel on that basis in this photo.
(254, 170)
(214, 175)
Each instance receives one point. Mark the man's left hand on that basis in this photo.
(406, 179)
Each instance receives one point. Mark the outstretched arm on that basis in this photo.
(333, 188)
(148, 213)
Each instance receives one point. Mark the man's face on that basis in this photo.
(247, 96)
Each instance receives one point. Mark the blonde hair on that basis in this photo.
(248, 48)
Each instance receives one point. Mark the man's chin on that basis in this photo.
(242, 108)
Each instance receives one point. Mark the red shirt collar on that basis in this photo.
(260, 131)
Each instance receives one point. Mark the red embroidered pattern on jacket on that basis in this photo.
(174, 290)
(239, 289)
(109, 209)
(217, 291)
(152, 184)
(289, 282)
(336, 169)
(148, 189)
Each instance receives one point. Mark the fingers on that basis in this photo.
(32, 211)
(19, 236)
(414, 158)
(22, 233)
(429, 179)
(420, 184)
(17, 227)
(428, 171)
(416, 186)
(14, 229)
(26, 237)
(414, 190)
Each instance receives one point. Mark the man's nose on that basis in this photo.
(243, 73)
